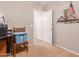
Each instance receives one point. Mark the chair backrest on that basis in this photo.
(19, 34)
(19, 29)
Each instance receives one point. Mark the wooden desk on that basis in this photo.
(3, 45)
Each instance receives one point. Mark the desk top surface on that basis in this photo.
(5, 37)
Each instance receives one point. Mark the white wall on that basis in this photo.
(18, 13)
(66, 35)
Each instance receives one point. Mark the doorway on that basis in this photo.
(43, 26)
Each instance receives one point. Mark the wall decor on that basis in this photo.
(69, 16)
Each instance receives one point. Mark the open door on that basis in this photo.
(47, 26)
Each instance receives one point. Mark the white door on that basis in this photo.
(38, 17)
(47, 26)
(43, 25)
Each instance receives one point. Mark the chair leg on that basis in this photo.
(26, 46)
(14, 49)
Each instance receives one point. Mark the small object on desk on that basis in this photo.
(3, 30)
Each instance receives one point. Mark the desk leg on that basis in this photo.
(14, 49)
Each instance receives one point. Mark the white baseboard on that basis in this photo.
(38, 38)
(67, 50)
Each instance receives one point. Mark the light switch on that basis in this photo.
(30, 25)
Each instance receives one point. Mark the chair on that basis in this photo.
(19, 38)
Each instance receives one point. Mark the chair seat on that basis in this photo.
(20, 37)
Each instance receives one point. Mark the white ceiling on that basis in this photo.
(46, 3)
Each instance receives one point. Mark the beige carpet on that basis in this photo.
(42, 49)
